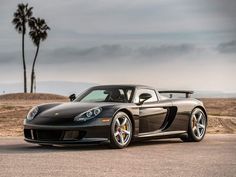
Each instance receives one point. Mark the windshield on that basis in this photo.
(116, 94)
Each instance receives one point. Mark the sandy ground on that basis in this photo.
(220, 106)
(222, 114)
(221, 124)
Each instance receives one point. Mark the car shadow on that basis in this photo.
(155, 142)
(34, 148)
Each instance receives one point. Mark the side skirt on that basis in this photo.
(171, 134)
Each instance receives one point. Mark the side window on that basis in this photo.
(151, 92)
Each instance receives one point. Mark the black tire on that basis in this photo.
(196, 132)
(114, 142)
(186, 138)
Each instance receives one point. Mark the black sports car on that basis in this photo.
(118, 114)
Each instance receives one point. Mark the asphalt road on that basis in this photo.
(215, 156)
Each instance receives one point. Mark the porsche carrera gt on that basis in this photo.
(118, 114)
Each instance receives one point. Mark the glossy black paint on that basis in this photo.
(165, 118)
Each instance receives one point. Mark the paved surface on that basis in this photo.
(215, 156)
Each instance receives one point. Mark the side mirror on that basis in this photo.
(72, 97)
(143, 97)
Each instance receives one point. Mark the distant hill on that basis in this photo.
(213, 94)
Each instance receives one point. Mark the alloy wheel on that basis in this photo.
(122, 130)
(198, 123)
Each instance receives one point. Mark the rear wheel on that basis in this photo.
(121, 130)
(197, 126)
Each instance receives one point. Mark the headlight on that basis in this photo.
(90, 114)
(32, 113)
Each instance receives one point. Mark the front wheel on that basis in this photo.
(121, 130)
(197, 126)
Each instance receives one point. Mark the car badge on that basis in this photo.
(56, 114)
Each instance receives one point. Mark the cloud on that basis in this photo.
(166, 50)
(118, 52)
(94, 53)
(108, 53)
(227, 47)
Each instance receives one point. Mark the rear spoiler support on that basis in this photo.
(186, 92)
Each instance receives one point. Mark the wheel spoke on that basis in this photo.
(121, 138)
(126, 132)
(195, 119)
(116, 133)
(124, 121)
(199, 118)
(201, 126)
(198, 132)
(194, 130)
(118, 122)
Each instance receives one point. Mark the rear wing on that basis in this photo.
(186, 92)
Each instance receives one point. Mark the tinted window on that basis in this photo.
(151, 92)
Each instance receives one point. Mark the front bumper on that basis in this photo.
(69, 142)
(48, 134)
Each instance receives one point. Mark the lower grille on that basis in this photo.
(53, 135)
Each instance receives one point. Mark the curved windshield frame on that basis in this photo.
(107, 94)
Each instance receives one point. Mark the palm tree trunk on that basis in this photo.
(32, 72)
(24, 65)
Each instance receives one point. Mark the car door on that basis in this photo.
(152, 112)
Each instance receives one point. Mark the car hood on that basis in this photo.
(70, 110)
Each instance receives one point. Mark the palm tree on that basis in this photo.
(38, 32)
(21, 17)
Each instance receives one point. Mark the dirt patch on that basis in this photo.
(219, 124)
(31, 96)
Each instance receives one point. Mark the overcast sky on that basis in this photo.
(175, 44)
